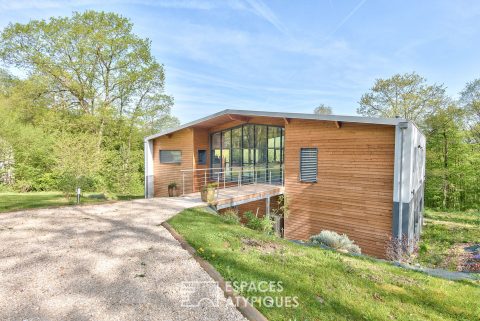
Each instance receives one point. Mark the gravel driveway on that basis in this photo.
(101, 262)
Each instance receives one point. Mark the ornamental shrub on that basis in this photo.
(335, 241)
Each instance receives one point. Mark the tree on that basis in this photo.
(470, 99)
(94, 64)
(407, 96)
(445, 155)
(323, 109)
(92, 88)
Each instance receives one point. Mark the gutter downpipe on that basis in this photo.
(402, 126)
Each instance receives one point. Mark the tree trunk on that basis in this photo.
(445, 170)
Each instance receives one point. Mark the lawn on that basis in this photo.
(328, 285)
(445, 237)
(10, 201)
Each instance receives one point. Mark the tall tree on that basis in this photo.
(323, 109)
(94, 64)
(446, 155)
(470, 99)
(92, 85)
(407, 96)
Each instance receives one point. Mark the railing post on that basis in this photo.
(183, 183)
(270, 178)
(218, 183)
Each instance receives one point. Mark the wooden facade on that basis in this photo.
(354, 191)
(353, 194)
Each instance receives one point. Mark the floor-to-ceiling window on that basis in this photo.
(256, 150)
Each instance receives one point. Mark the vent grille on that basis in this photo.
(308, 165)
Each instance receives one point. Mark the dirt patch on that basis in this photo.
(264, 247)
(464, 257)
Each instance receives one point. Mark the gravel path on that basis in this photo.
(101, 262)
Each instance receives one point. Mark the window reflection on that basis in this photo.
(252, 148)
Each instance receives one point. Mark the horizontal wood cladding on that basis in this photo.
(354, 191)
(201, 141)
(165, 174)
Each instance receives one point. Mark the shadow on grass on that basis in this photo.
(360, 290)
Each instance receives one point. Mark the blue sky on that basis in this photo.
(289, 55)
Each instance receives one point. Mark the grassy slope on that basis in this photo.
(350, 287)
(18, 201)
(442, 231)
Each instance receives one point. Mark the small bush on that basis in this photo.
(264, 224)
(231, 216)
(403, 250)
(335, 241)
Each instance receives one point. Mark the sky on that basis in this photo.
(289, 56)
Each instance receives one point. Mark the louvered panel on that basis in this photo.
(308, 165)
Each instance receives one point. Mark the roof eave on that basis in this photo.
(352, 119)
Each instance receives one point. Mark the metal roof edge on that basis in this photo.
(351, 119)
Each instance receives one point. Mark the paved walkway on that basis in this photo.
(100, 262)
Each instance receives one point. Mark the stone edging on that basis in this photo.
(242, 304)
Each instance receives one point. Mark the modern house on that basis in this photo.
(359, 176)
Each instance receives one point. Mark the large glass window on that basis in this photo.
(256, 149)
(216, 152)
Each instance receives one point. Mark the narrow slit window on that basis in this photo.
(202, 157)
(308, 165)
(170, 156)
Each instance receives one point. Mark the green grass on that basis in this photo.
(444, 230)
(10, 201)
(329, 285)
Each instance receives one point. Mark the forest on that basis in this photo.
(79, 93)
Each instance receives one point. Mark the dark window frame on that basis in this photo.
(254, 147)
(301, 178)
(169, 162)
(199, 159)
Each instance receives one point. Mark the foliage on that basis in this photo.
(323, 109)
(172, 185)
(282, 208)
(451, 130)
(263, 224)
(402, 249)
(77, 161)
(335, 241)
(444, 231)
(407, 96)
(93, 90)
(470, 100)
(452, 163)
(231, 216)
(328, 284)
(213, 185)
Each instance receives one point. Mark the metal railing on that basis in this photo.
(194, 179)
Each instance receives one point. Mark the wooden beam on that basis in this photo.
(239, 118)
(287, 120)
(338, 124)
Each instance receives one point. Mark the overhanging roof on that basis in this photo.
(253, 113)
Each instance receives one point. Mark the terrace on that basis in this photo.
(234, 187)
